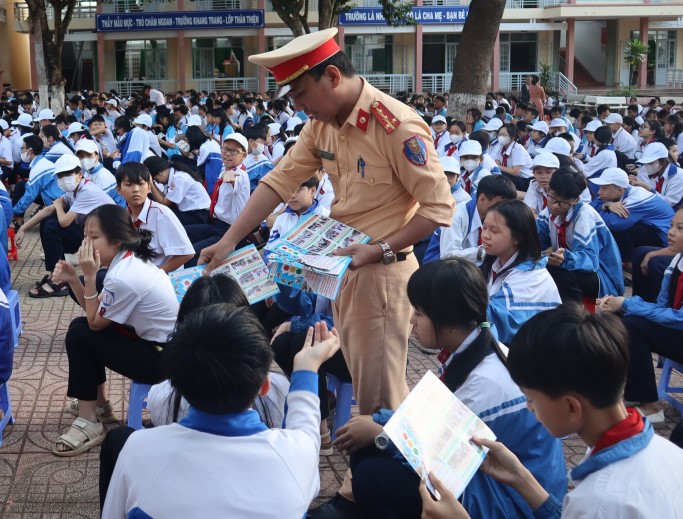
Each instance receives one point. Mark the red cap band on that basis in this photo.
(295, 67)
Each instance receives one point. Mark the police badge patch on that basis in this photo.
(415, 150)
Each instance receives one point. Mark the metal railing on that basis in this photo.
(674, 78)
(561, 84)
(137, 6)
(212, 5)
(508, 81)
(86, 9)
(391, 83)
(125, 88)
(249, 84)
(436, 83)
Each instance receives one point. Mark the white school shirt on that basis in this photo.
(275, 150)
(186, 192)
(325, 193)
(6, 150)
(154, 144)
(625, 143)
(672, 189)
(536, 197)
(168, 234)
(102, 177)
(139, 294)
(440, 142)
(516, 156)
(232, 197)
(456, 241)
(600, 161)
(88, 196)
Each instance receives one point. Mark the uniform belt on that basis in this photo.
(402, 256)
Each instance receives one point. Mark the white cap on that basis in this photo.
(292, 123)
(547, 160)
(492, 126)
(143, 119)
(555, 123)
(239, 138)
(66, 162)
(45, 115)
(593, 125)
(653, 151)
(24, 120)
(539, 126)
(112, 102)
(612, 176)
(450, 165)
(274, 128)
(293, 138)
(558, 145)
(87, 145)
(614, 118)
(470, 147)
(75, 128)
(440, 119)
(194, 120)
(3, 125)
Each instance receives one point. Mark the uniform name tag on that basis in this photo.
(327, 155)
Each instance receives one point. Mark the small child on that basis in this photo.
(457, 134)
(451, 167)
(538, 133)
(471, 157)
(88, 152)
(257, 163)
(440, 134)
(543, 167)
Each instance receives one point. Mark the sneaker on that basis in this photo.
(336, 508)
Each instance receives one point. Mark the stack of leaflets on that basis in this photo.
(432, 428)
(302, 258)
(244, 265)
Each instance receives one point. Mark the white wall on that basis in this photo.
(588, 49)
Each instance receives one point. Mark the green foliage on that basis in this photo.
(545, 76)
(636, 52)
(397, 12)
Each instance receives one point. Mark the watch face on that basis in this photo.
(388, 259)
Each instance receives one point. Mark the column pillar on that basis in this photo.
(261, 4)
(569, 55)
(642, 69)
(100, 57)
(417, 74)
(495, 65)
(181, 50)
(32, 50)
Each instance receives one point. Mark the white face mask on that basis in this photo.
(68, 184)
(651, 169)
(88, 163)
(504, 141)
(258, 149)
(455, 138)
(470, 165)
(25, 156)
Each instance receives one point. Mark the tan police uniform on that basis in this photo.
(384, 171)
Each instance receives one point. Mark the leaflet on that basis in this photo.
(302, 258)
(432, 428)
(244, 265)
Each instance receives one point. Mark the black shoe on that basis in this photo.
(336, 508)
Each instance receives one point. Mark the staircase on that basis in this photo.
(582, 78)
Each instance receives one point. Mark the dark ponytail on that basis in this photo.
(51, 130)
(117, 226)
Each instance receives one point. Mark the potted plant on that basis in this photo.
(636, 53)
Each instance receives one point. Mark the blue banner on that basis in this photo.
(422, 15)
(179, 20)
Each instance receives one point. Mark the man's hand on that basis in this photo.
(619, 209)
(214, 255)
(447, 507)
(360, 431)
(361, 254)
(556, 258)
(318, 349)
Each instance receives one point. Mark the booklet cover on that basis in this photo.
(244, 265)
(432, 428)
(302, 258)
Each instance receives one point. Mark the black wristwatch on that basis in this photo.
(382, 441)
(605, 206)
(389, 255)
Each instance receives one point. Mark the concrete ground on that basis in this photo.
(36, 484)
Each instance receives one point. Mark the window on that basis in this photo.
(141, 59)
(217, 58)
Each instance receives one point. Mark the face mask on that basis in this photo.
(258, 149)
(455, 138)
(503, 141)
(68, 184)
(492, 136)
(25, 157)
(470, 165)
(88, 163)
(651, 169)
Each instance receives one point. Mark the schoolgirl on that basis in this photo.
(519, 284)
(543, 167)
(603, 155)
(473, 120)
(125, 327)
(218, 125)
(276, 149)
(208, 153)
(88, 153)
(54, 144)
(471, 158)
(512, 159)
(650, 131)
(659, 175)
(457, 133)
(673, 129)
(169, 132)
(450, 303)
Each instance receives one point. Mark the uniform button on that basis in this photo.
(343, 171)
(342, 200)
(343, 137)
(372, 180)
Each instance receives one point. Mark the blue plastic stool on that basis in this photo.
(344, 393)
(136, 403)
(6, 406)
(664, 388)
(15, 311)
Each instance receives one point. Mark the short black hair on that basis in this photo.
(532, 110)
(482, 138)
(134, 172)
(258, 131)
(602, 108)
(34, 143)
(567, 182)
(492, 186)
(339, 60)
(211, 290)
(311, 182)
(633, 108)
(218, 358)
(156, 165)
(603, 135)
(520, 220)
(567, 350)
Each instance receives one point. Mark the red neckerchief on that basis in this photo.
(506, 155)
(562, 233)
(479, 239)
(494, 275)
(592, 150)
(452, 150)
(467, 181)
(438, 138)
(214, 196)
(545, 201)
(442, 357)
(678, 295)
(659, 184)
(630, 426)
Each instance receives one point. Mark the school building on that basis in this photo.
(203, 44)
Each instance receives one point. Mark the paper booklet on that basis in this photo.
(302, 258)
(432, 429)
(244, 265)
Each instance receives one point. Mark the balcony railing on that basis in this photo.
(674, 78)
(249, 84)
(126, 88)
(508, 81)
(82, 10)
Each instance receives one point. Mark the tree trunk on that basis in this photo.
(40, 65)
(290, 13)
(472, 64)
(326, 12)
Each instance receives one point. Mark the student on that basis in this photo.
(88, 154)
(491, 128)
(604, 156)
(208, 154)
(473, 120)
(104, 137)
(583, 257)
(650, 131)
(463, 237)
(572, 367)
(54, 145)
(518, 283)
(635, 216)
(556, 127)
(276, 149)
(622, 140)
(440, 106)
(556, 113)
(512, 159)
(169, 132)
(487, 161)
(182, 190)
(440, 134)
(658, 175)
(451, 167)
(126, 326)
(325, 193)
(218, 127)
(653, 328)
(257, 163)
(6, 155)
(543, 167)
(456, 136)
(450, 306)
(538, 132)
(169, 240)
(133, 143)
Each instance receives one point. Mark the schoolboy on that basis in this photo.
(451, 167)
(556, 113)
(257, 164)
(543, 167)
(484, 141)
(212, 462)
(463, 237)
(572, 367)
(440, 134)
(622, 140)
(538, 133)
(583, 258)
(169, 239)
(471, 156)
(658, 175)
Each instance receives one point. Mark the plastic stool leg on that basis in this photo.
(136, 403)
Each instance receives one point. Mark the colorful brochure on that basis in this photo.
(244, 265)
(432, 428)
(302, 258)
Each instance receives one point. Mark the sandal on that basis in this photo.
(105, 413)
(326, 446)
(46, 279)
(81, 436)
(42, 291)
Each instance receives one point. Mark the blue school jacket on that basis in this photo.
(591, 246)
(104, 178)
(644, 207)
(6, 340)
(134, 146)
(257, 168)
(40, 182)
(6, 204)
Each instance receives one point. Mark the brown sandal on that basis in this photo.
(41, 292)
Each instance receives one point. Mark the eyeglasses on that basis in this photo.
(231, 151)
(560, 203)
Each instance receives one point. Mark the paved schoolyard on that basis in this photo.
(36, 484)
